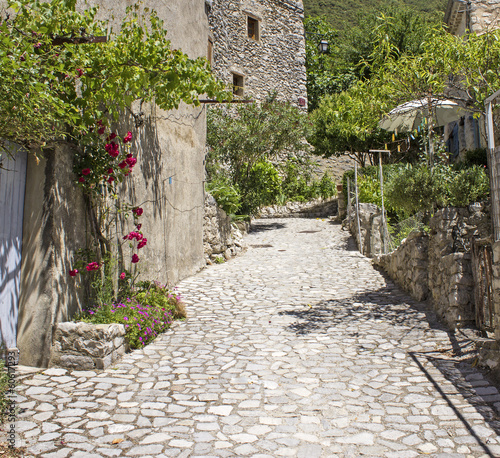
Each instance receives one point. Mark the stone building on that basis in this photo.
(476, 16)
(462, 17)
(258, 46)
(47, 223)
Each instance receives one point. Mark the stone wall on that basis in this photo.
(85, 346)
(371, 229)
(222, 239)
(483, 15)
(273, 61)
(408, 265)
(437, 266)
(317, 208)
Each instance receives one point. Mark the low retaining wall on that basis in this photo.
(222, 239)
(437, 266)
(317, 208)
(371, 229)
(85, 346)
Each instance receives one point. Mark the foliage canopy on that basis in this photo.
(54, 80)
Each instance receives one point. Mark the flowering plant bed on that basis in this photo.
(147, 312)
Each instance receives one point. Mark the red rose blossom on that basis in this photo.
(127, 137)
(135, 258)
(122, 275)
(131, 161)
(86, 171)
(72, 273)
(138, 211)
(81, 180)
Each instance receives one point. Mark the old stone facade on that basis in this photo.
(259, 47)
(476, 16)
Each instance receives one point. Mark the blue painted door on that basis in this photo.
(12, 187)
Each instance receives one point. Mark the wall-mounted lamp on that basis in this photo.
(323, 44)
(323, 47)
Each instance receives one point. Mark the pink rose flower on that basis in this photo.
(122, 275)
(142, 243)
(79, 71)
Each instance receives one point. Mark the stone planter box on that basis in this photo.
(85, 346)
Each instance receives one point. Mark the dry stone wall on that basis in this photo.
(371, 229)
(274, 61)
(85, 346)
(317, 208)
(222, 239)
(437, 266)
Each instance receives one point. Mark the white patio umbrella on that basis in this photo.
(408, 116)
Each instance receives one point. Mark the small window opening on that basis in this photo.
(253, 28)
(210, 51)
(238, 84)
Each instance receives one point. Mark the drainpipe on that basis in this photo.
(492, 165)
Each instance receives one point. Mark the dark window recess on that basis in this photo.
(210, 51)
(253, 28)
(238, 83)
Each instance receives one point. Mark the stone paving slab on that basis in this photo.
(298, 347)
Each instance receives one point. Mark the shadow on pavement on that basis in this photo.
(409, 316)
(270, 226)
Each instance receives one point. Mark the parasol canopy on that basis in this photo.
(408, 116)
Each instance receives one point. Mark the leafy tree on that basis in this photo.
(394, 48)
(245, 140)
(346, 14)
(327, 73)
(55, 81)
(348, 123)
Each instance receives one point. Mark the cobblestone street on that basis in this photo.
(298, 347)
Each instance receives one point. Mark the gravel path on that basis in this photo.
(298, 347)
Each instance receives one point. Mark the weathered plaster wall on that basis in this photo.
(274, 62)
(168, 180)
(167, 183)
(53, 229)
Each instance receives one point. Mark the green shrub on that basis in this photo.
(327, 187)
(262, 187)
(478, 156)
(226, 195)
(414, 188)
(469, 185)
(146, 314)
(369, 190)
